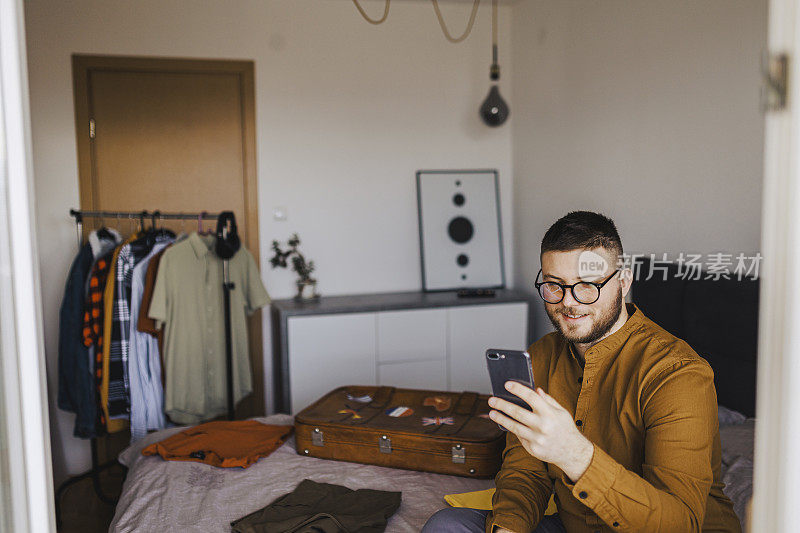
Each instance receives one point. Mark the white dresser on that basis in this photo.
(409, 339)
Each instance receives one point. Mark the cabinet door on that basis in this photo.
(329, 351)
(431, 375)
(474, 329)
(412, 335)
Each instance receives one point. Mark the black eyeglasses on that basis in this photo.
(585, 292)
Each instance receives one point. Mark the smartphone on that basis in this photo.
(509, 365)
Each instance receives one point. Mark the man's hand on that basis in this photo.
(548, 433)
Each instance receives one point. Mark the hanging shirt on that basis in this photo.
(112, 425)
(76, 391)
(71, 350)
(147, 324)
(188, 300)
(93, 332)
(144, 363)
(118, 384)
(93, 307)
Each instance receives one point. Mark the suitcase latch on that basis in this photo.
(316, 438)
(459, 454)
(385, 444)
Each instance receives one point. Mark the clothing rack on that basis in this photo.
(142, 216)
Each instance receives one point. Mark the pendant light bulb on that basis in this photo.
(494, 109)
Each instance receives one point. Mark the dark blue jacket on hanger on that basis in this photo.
(75, 382)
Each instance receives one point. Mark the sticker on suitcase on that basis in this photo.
(440, 403)
(350, 412)
(437, 420)
(366, 398)
(400, 411)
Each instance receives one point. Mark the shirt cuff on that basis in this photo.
(510, 522)
(593, 486)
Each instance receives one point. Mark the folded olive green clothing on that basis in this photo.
(323, 508)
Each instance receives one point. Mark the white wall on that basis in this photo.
(645, 111)
(346, 113)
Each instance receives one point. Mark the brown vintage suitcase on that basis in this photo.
(430, 431)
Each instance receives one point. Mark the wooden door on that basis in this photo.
(175, 136)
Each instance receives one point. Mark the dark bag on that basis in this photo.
(428, 431)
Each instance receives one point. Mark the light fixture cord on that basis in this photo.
(439, 16)
(366, 17)
(494, 70)
(494, 31)
(470, 24)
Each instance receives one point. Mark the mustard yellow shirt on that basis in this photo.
(647, 402)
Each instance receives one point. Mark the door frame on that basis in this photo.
(82, 67)
(26, 473)
(776, 491)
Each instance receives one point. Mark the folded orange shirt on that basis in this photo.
(222, 443)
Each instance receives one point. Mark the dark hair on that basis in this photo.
(582, 229)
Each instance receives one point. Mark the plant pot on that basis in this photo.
(306, 290)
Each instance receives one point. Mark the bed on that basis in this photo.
(177, 496)
(184, 496)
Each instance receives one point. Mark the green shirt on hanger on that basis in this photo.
(188, 300)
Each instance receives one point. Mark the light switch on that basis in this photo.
(279, 213)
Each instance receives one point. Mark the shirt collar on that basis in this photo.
(199, 244)
(612, 343)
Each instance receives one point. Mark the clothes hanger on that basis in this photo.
(103, 232)
(200, 230)
(160, 231)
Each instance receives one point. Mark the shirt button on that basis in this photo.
(615, 524)
(579, 423)
(582, 495)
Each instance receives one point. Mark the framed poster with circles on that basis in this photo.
(460, 235)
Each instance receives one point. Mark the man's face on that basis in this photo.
(584, 323)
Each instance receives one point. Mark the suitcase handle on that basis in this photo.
(466, 404)
(381, 398)
(472, 401)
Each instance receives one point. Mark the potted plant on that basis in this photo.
(306, 285)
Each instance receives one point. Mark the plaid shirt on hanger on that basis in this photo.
(118, 383)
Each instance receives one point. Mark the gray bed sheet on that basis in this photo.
(737, 463)
(173, 496)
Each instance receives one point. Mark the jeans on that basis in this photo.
(466, 520)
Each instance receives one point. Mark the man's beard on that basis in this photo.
(602, 325)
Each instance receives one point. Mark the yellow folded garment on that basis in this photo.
(482, 499)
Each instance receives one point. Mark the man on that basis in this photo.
(623, 426)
